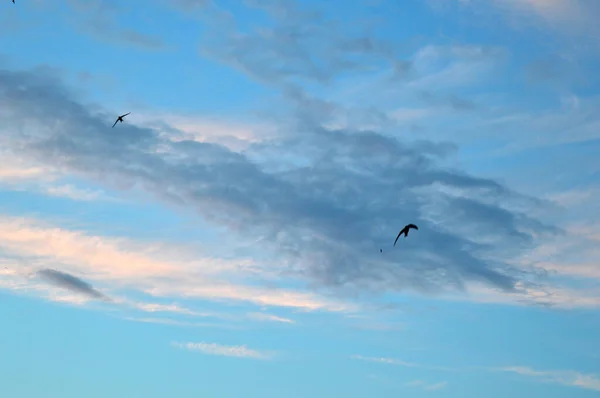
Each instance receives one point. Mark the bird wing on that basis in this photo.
(399, 233)
(125, 114)
(115, 122)
(412, 226)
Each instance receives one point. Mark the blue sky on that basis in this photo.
(224, 240)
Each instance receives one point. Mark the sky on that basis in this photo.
(224, 240)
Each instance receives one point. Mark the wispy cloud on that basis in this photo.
(567, 378)
(74, 193)
(566, 16)
(399, 362)
(174, 322)
(235, 135)
(390, 361)
(547, 295)
(261, 316)
(239, 351)
(9, 173)
(99, 19)
(287, 51)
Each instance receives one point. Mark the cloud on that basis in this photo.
(390, 361)
(98, 18)
(236, 136)
(451, 66)
(15, 174)
(173, 322)
(545, 295)
(269, 317)
(70, 282)
(155, 269)
(10, 173)
(576, 254)
(567, 378)
(238, 351)
(399, 362)
(74, 193)
(325, 200)
(299, 45)
(569, 16)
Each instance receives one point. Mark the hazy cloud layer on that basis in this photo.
(302, 44)
(326, 200)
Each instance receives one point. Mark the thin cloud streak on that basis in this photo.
(173, 322)
(567, 378)
(240, 351)
(269, 318)
(398, 362)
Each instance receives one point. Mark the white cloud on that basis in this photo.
(173, 322)
(239, 351)
(565, 377)
(74, 193)
(260, 316)
(11, 173)
(398, 362)
(389, 361)
(16, 174)
(235, 135)
(573, 197)
(527, 295)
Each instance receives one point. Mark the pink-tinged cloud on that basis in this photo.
(156, 269)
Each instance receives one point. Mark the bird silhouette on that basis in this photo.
(120, 119)
(405, 231)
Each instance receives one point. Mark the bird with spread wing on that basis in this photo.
(405, 231)
(120, 119)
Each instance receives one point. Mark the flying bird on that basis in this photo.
(405, 231)
(120, 119)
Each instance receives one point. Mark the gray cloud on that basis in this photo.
(452, 101)
(324, 200)
(300, 45)
(72, 283)
(98, 18)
